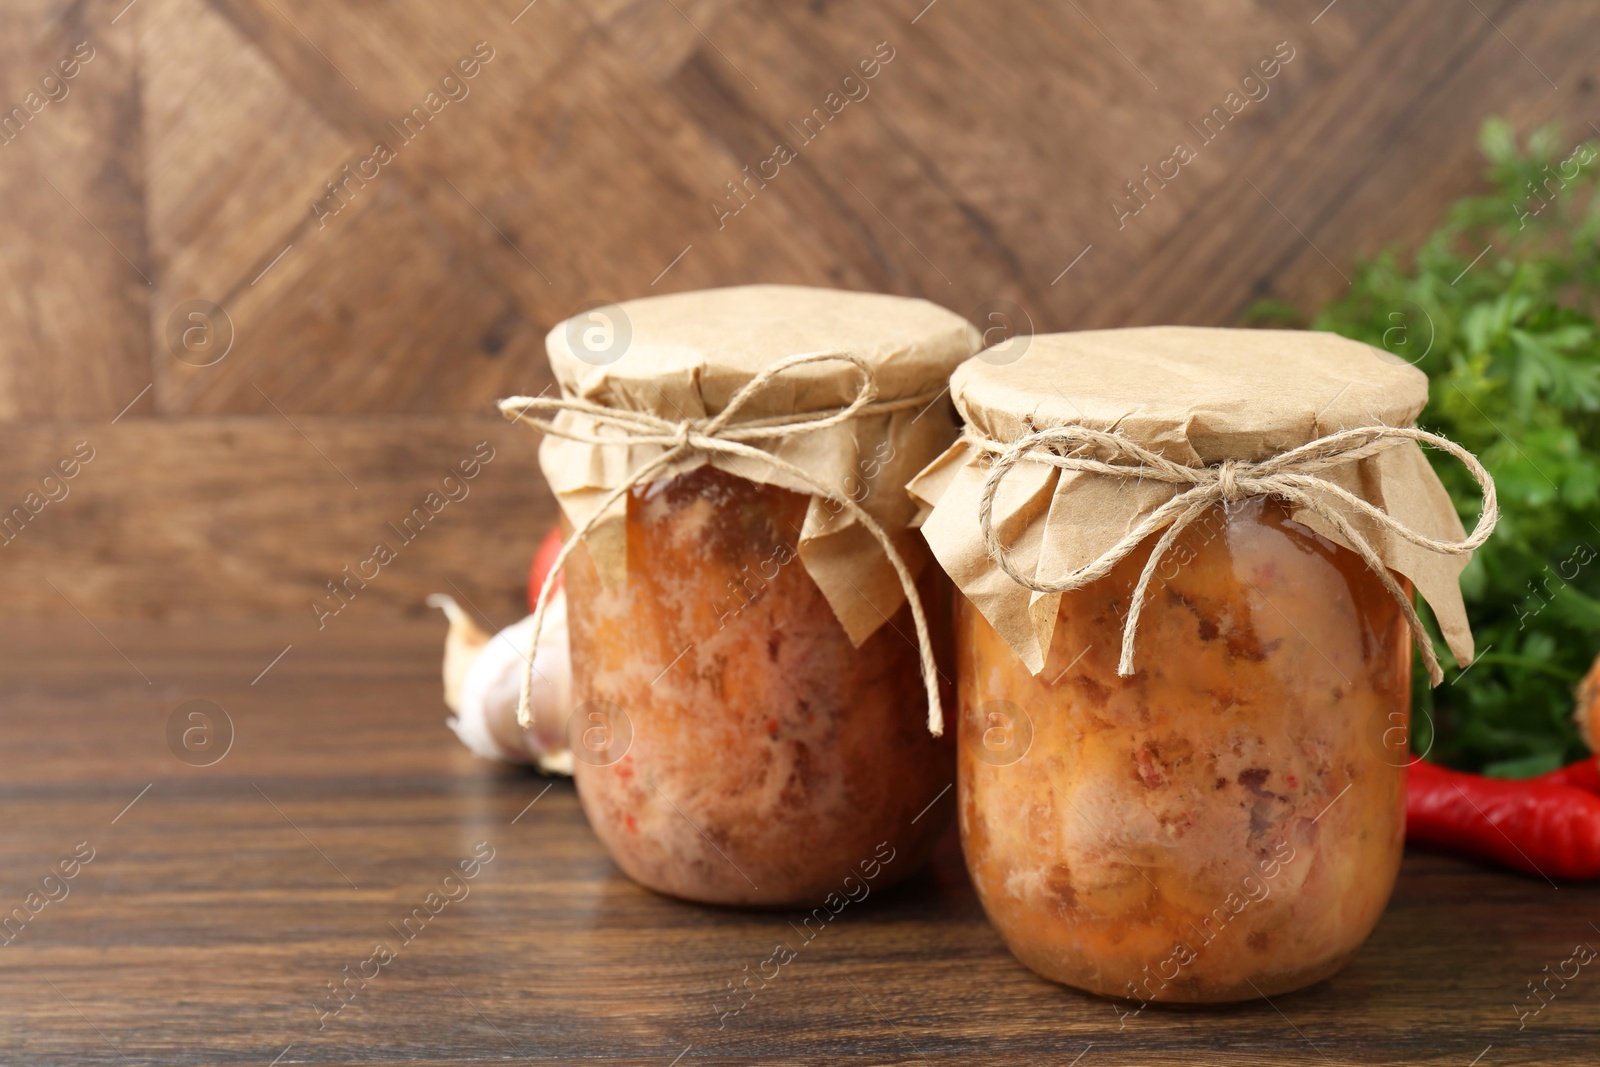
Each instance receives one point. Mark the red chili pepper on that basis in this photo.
(1585, 775)
(1533, 826)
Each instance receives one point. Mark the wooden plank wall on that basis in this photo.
(186, 191)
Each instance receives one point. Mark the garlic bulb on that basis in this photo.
(483, 678)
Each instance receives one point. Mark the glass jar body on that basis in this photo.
(1226, 823)
(730, 745)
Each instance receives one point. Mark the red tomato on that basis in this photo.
(543, 560)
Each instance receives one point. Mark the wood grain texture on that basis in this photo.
(255, 516)
(219, 905)
(75, 266)
(213, 151)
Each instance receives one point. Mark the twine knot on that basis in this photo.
(1228, 481)
(724, 434)
(1293, 476)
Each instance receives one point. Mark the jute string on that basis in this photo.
(1291, 475)
(722, 435)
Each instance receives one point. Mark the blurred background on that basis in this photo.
(273, 261)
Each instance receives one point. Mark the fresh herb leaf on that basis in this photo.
(1498, 308)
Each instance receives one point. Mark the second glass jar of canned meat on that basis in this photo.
(1227, 821)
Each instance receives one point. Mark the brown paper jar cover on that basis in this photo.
(687, 354)
(1199, 396)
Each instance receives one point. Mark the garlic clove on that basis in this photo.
(486, 707)
(556, 763)
(461, 646)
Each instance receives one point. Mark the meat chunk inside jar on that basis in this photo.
(731, 745)
(1226, 823)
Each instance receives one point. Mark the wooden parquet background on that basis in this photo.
(367, 337)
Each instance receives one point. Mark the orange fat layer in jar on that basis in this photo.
(769, 759)
(1226, 823)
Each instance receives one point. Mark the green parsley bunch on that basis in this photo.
(1498, 308)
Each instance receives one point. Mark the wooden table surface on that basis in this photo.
(222, 901)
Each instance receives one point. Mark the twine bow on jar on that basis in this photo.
(1293, 476)
(722, 435)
